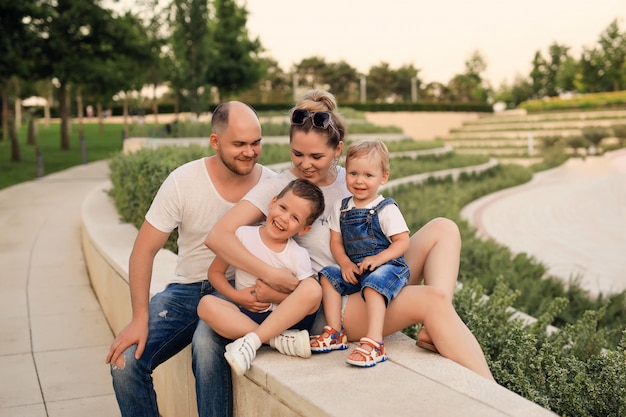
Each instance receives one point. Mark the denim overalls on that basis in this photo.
(362, 236)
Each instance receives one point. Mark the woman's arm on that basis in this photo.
(223, 242)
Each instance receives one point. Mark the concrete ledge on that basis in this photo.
(412, 382)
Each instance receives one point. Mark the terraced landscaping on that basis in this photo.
(506, 135)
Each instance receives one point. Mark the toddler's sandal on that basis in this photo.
(334, 340)
(368, 358)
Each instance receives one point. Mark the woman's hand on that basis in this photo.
(267, 294)
(282, 280)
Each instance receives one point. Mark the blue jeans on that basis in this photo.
(173, 324)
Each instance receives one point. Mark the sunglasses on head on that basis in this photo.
(320, 119)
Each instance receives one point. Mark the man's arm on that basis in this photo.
(148, 242)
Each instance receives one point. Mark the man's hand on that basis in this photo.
(134, 333)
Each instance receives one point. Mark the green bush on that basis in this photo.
(595, 134)
(567, 372)
(136, 178)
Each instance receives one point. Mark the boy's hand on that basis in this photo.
(349, 272)
(369, 263)
(247, 298)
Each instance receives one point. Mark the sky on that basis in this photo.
(436, 37)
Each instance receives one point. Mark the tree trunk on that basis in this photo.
(79, 105)
(125, 114)
(46, 109)
(15, 144)
(65, 136)
(176, 105)
(32, 130)
(100, 118)
(155, 106)
(5, 111)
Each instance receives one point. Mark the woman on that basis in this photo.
(317, 139)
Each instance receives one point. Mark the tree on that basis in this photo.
(19, 45)
(469, 87)
(613, 44)
(591, 77)
(191, 46)
(558, 55)
(538, 75)
(567, 74)
(380, 80)
(309, 72)
(79, 37)
(343, 80)
(274, 85)
(235, 64)
(403, 81)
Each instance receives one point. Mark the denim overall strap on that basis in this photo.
(361, 232)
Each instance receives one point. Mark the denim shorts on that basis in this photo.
(387, 280)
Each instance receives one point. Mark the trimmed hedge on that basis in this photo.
(595, 101)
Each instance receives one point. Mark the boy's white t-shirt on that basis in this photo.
(187, 199)
(317, 240)
(293, 256)
(390, 217)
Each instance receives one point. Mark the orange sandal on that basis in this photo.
(335, 340)
(368, 357)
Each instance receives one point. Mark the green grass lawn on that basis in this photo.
(98, 145)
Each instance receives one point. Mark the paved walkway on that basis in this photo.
(572, 219)
(54, 335)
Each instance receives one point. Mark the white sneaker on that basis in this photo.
(240, 355)
(293, 343)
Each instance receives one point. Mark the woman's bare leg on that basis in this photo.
(434, 254)
(433, 258)
(431, 306)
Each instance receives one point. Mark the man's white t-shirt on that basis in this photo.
(187, 199)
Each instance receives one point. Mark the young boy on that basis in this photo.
(257, 314)
(368, 237)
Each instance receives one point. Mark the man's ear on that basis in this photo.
(214, 141)
(305, 230)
